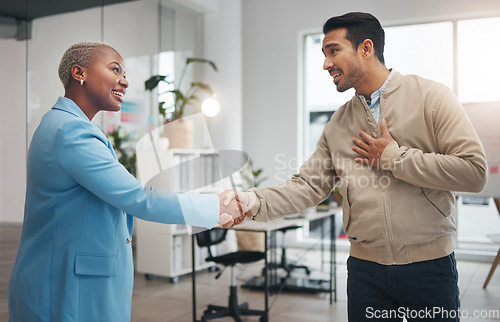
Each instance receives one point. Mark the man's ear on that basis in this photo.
(78, 73)
(366, 48)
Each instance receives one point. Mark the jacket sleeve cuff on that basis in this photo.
(257, 206)
(200, 209)
(254, 203)
(388, 155)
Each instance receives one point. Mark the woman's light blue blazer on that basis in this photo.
(75, 257)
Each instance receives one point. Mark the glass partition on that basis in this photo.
(50, 37)
(141, 31)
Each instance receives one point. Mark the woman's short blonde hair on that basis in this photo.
(78, 54)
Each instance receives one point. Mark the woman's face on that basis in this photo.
(105, 81)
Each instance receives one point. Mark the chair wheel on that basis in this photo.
(263, 319)
(149, 277)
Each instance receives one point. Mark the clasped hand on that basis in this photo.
(371, 149)
(233, 208)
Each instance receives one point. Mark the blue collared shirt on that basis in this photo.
(374, 104)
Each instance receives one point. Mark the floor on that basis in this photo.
(159, 300)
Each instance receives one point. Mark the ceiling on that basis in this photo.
(32, 9)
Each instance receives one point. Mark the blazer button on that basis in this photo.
(129, 240)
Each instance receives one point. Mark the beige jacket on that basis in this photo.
(404, 212)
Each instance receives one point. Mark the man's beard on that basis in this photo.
(349, 81)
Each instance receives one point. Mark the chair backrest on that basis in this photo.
(211, 237)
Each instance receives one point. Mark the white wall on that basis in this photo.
(202, 6)
(271, 31)
(12, 129)
(222, 44)
(44, 53)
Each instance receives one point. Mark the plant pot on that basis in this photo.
(179, 133)
(337, 197)
(250, 241)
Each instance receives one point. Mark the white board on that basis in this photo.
(486, 120)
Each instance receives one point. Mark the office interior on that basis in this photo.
(272, 100)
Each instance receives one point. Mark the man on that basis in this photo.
(396, 149)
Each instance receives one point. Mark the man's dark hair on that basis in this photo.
(360, 26)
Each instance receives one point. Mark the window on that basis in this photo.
(320, 94)
(425, 50)
(477, 56)
(166, 66)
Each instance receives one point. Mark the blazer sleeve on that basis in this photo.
(85, 155)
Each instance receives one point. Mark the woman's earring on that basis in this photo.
(81, 82)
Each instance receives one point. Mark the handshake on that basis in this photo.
(234, 206)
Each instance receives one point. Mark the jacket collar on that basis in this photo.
(67, 105)
(394, 82)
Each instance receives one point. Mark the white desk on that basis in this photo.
(272, 225)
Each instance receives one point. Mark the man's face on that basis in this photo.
(342, 61)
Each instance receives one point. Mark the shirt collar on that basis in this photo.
(379, 91)
(67, 105)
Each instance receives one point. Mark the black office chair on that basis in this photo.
(288, 266)
(213, 237)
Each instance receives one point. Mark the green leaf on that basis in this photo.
(161, 109)
(203, 86)
(258, 182)
(153, 81)
(201, 60)
(178, 94)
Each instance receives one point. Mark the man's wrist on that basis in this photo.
(388, 155)
(253, 203)
(252, 199)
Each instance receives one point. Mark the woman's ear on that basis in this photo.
(78, 73)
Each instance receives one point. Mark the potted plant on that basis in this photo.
(126, 157)
(179, 133)
(250, 176)
(337, 197)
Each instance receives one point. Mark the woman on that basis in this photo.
(75, 258)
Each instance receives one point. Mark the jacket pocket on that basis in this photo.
(95, 265)
(346, 206)
(442, 200)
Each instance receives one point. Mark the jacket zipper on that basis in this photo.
(388, 227)
(388, 230)
(369, 114)
(387, 223)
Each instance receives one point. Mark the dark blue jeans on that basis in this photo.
(422, 291)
